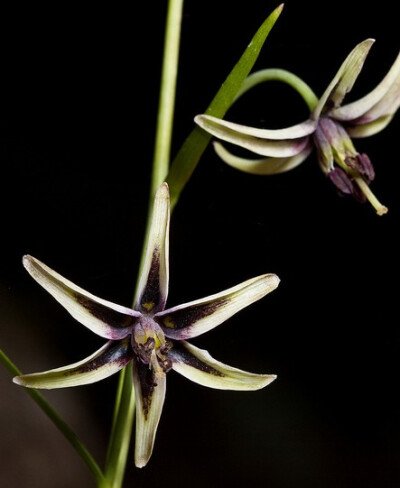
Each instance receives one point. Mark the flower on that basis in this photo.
(152, 337)
(329, 129)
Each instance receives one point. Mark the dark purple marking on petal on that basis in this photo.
(368, 169)
(185, 317)
(179, 354)
(342, 182)
(119, 352)
(151, 299)
(147, 384)
(111, 317)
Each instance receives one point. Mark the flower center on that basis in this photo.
(354, 172)
(147, 337)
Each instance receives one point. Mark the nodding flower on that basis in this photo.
(329, 129)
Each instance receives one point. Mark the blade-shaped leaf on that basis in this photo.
(104, 318)
(263, 166)
(189, 154)
(150, 387)
(153, 284)
(194, 318)
(197, 365)
(109, 359)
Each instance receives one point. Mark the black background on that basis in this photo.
(77, 114)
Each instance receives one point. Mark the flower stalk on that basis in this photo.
(125, 401)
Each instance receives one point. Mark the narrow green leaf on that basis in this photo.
(189, 155)
(63, 427)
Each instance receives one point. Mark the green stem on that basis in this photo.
(274, 74)
(125, 400)
(62, 426)
(167, 95)
(189, 155)
(121, 430)
(165, 111)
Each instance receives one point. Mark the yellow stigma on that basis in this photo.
(168, 322)
(148, 305)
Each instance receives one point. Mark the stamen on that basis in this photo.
(380, 209)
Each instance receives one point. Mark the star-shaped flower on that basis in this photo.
(152, 337)
(329, 129)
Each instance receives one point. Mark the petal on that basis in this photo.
(370, 129)
(153, 284)
(194, 318)
(264, 166)
(388, 105)
(279, 143)
(150, 385)
(345, 78)
(324, 151)
(294, 132)
(197, 365)
(109, 359)
(104, 318)
(360, 107)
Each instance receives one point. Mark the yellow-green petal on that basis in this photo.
(264, 145)
(388, 88)
(104, 318)
(197, 317)
(263, 166)
(108, 360)
(345, 78)
(197, 365)
(153, 284)
(150, 386)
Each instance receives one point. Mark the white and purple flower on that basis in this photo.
(329, 129)
(150, 336)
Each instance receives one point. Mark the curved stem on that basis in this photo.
(62, 426)
(274, 74)
(189, 154)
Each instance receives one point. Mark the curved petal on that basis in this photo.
(197, 365)
(345, 78)
(104, 318)
(265, 146)
(388, 105)
(153, 284)
(264, 166)
(109, 359)
(360, 107)
(150, 386)
(194, 318)
(370, 129)
(294, 132)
